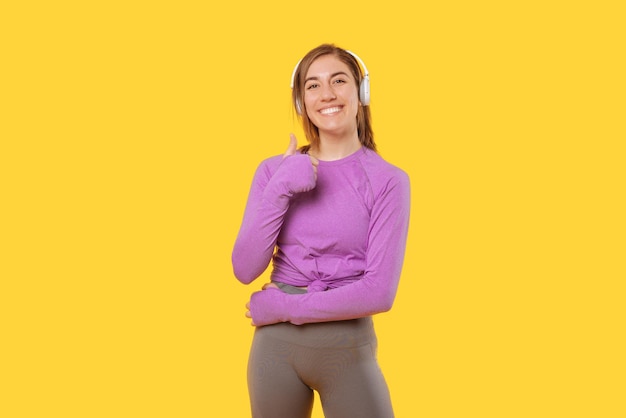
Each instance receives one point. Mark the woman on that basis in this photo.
(333, 218)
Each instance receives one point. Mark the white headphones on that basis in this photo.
(364, 87)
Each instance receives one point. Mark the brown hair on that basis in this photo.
(363, 117)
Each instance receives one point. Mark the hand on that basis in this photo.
(269, 285)
(293, 147)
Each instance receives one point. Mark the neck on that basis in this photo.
(336, 147)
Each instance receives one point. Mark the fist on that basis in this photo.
(299, 171)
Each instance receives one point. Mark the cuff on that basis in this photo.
(270, 306)
(295, 174)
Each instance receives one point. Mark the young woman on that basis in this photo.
(333, 219)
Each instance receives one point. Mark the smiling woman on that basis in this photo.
(331, 103)
(333, 218)
(327, 78)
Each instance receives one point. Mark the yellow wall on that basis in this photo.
(130, 132)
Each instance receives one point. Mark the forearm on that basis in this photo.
(255, 243)
(352, 301)
(268, 202)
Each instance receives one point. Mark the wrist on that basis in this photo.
(268, 307)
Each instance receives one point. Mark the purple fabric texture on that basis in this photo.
(342, 236)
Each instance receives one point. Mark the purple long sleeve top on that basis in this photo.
(342, 236)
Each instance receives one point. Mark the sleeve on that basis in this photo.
(268, 201)
(374, 293)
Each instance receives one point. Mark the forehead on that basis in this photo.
(326, 65)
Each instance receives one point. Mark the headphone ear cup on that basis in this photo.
(364, 91)
(298, 107)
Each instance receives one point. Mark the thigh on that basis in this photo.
(356, 387)
(275, 389)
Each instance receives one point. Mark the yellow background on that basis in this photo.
(129, 135)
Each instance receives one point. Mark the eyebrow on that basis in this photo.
(331, 76)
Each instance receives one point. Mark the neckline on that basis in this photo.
(345, 159)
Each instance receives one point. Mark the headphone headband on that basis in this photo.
(359, 60)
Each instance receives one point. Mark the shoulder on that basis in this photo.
(268, 166)
(383, 174)
(271, 162)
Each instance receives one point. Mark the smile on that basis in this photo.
(330, 110)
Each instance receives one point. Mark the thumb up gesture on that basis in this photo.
(297, 172)
(292, 148)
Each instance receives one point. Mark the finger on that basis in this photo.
(249, 314)
(293, 146)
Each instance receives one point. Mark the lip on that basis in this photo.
(330, 110)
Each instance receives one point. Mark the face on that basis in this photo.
(331, 96)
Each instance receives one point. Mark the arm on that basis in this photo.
(274, 183)
(374, 293)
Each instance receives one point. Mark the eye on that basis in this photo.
(339, 81)
(312, 86)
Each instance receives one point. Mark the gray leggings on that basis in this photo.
(337, 359)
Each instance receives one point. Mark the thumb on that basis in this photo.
(293, 145)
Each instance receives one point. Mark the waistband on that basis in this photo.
(287, 288)
(333, 334)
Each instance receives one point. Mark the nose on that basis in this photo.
(327, 92)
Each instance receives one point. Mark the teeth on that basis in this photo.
(330, 110)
